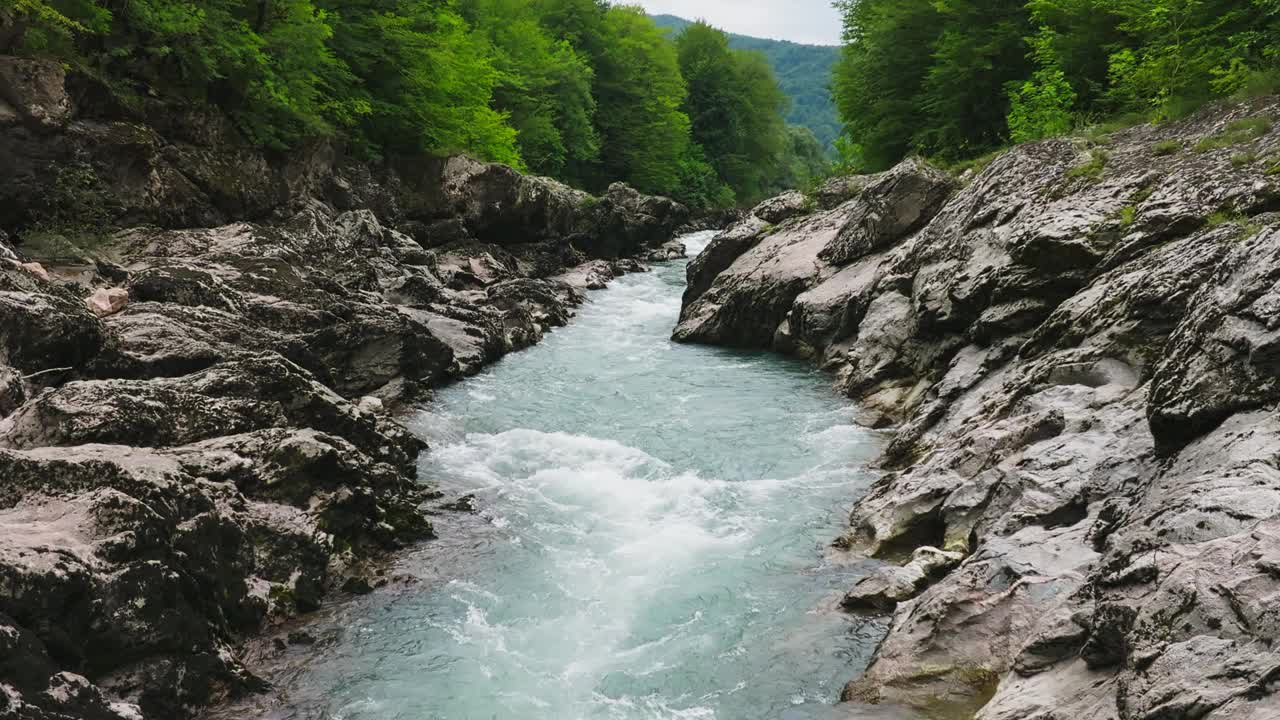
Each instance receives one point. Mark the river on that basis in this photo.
(651, 540)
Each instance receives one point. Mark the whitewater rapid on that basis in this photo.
(650, 541)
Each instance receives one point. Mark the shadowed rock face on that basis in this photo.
(1081, 376)
(215, 455)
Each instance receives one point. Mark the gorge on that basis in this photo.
(230, 439)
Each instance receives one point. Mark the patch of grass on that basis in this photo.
(1099, 132)
(1166, 147)
(1240, 131)
(1225, 217)
(1127, 215)
(1142, 195)
(1228, 216)
(977, 165)
(1273, 165)
(1244, 159)
(1092, 169)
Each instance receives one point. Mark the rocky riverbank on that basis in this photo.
(197, 428)
(1080, 506)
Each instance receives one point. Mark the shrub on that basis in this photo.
(1092, 169)
(1240, 131)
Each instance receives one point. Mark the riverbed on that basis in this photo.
(650, 540)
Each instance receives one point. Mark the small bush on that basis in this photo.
(1240, 131)
(1259, 83)
(1142, 195)
(1099, 132)
(1092, 169)
(1240, 160)
(977, 165)
(1127, 215)
(1166, 147)
(1225, 217)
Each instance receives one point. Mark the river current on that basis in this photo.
(650, 542)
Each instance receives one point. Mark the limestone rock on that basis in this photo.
(1080, 372)
(107, 301)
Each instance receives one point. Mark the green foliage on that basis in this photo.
(921, 76)
(544, 85)
(581, 90)
(1230, 216)
(915, 75)
(1235, 133)
(1092, 169)
(419, 79)
(1240, 160)
(1166, 147)
(1042, 106)
(803, 73)
(1127, 215)
(735, 108)
(639, 91)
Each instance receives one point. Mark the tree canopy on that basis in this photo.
(581, 90)
(959, 78)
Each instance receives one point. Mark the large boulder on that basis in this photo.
(34, 90)
(887, 208)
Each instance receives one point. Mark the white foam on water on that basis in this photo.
(695, 243)
(655, 515)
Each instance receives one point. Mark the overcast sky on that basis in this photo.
(806, 21)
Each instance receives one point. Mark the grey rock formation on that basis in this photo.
(219, 451)
(1081, 378)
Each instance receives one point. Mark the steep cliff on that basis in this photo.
(195, 436)
(1080, 506)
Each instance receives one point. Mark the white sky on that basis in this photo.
(805, 21)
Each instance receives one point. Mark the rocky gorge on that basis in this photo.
(1074, 348)
(202, 349)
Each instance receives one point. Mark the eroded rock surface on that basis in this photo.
(197, 428)
(1081, 375)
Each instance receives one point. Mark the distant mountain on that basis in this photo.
(804, 72)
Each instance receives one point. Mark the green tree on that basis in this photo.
(544, 86)
(1042, 106)
(878, 81)
(423, 75)
(639, 93)
(735, 107)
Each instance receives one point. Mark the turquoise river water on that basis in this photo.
(651, 540)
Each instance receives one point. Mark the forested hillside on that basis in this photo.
(581, 90)
(958, 79)
(804, 73)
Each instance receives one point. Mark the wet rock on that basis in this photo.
(673, 250)
(753, 295)
(464, 504)
(40, 331)
(886, 587)
(1222, 357)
